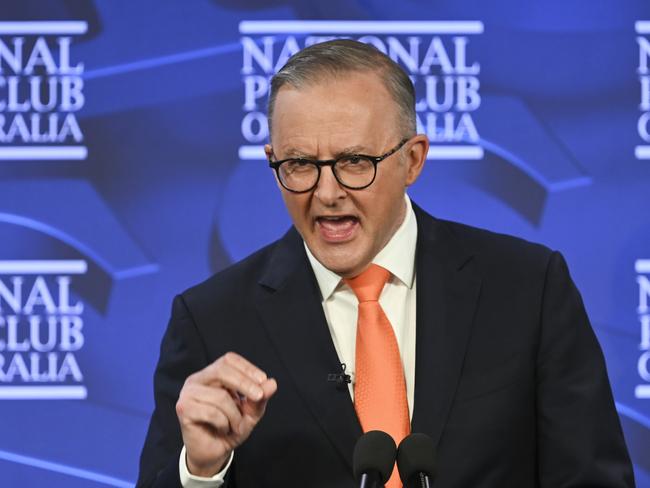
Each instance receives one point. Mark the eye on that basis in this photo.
(294, 165)
(354, 163)
(352, 160)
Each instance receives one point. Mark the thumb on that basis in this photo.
(253, 411)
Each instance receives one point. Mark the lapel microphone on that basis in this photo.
(416, 461)
(373, 459)
(340, 379)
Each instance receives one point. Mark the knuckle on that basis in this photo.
(180, 408)
(230, 357)
(221, 361)
(221, 421)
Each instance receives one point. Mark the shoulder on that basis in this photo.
(492, 252)
(232, 286)
(490, 246)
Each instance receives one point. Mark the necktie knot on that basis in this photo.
(368, 285)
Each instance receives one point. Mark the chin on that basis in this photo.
(343, 266)
(346, 260)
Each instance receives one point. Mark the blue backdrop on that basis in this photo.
(130, 169)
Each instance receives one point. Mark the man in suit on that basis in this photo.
(485, 344)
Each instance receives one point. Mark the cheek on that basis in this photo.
(379, 206)
(383, 211)
(297, 206)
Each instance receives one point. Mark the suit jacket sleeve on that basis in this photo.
(182, 353)
(580, 440)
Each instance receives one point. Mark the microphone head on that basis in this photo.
(416, 454)
(374, 452)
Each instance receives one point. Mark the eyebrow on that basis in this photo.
(293, 152)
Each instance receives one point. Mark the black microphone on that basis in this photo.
(340, 379)
(416, 461)
(373, 459)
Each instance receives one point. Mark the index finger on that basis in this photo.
(211, 372)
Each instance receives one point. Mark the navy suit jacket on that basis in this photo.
(510, 381)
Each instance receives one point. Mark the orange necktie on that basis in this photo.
(379, 387)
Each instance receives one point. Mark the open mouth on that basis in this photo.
(337, 228)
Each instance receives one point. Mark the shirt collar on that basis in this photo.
(397, 256)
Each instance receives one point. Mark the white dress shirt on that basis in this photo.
(397, 299)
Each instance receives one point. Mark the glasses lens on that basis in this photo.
(355, 171)
(298, 174)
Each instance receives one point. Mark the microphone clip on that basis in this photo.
(340, 379)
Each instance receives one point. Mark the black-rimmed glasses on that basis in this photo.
(353, 171)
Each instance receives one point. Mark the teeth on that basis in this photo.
(336, 218)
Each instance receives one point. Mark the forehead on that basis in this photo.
(342, 111)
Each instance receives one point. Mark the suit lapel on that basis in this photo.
(448, 288)
(290, 307)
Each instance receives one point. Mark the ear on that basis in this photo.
(415, 157)
(268, 150)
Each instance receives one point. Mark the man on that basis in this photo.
(476, 339)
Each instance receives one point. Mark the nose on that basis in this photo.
(328, 190)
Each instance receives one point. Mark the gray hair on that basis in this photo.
(344, 56)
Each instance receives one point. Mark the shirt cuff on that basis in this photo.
(188, 480)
